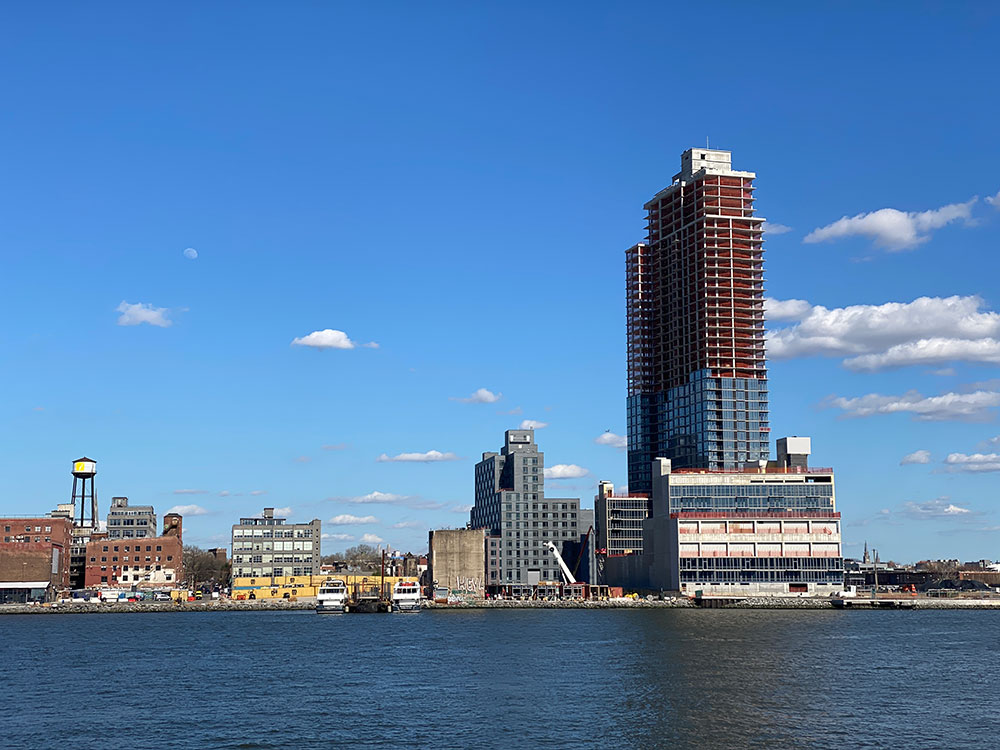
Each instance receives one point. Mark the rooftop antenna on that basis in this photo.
(706, 141)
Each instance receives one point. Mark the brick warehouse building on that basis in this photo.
(136, 562)
(35, 550)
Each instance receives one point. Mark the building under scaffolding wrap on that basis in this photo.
(697, 378)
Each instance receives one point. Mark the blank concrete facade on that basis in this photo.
(456, 560)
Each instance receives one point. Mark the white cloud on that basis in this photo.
(516, 411)
(917, 457)
(190, 253)
(944, 372)
(973, 463)
(961, 407)
(786, 309)
(142, 312)
(428, 457)
(929, 330)
(371, 345)
(479, 396)
(531, 424)
(460, 508)
(371, 539)
(565, 471)
(994, 200)
(939, 508)
(258, 492)
(409, 525)
(188, 510)
(339, 537)
(378, 497)
(283, 512)
(770, 227)
(227, 493)
(610, 438)
(190, 492)
(928, 352)
(346, 519)
(892, 229)
(328, 338)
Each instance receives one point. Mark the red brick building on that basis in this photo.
(137, 562)
(35, 549)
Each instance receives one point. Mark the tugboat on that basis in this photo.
(406, 596)
(331, 597)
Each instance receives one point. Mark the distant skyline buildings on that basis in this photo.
(696, 372)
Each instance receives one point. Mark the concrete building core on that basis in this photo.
(456, 560)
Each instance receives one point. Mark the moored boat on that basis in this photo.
(331, 597)
(406, 596)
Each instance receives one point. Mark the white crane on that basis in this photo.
(562, 564)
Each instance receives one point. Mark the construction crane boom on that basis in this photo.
(562, 563)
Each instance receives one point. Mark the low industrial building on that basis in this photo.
(34, 557)
(153, 561)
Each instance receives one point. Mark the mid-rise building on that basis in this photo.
(510, 503)
(697, 379)
(130, 522)
(618, 520)
(773, 529)
(268, 546)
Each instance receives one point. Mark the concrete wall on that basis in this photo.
(456, 559)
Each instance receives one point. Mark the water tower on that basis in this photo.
(84, 470)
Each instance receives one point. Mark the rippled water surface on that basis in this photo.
(533, 678)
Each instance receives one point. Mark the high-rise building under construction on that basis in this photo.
(697, 378)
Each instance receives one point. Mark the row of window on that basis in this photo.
(27, 529)
(21, 538)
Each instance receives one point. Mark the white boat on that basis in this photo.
(406, 596)
(332, 596)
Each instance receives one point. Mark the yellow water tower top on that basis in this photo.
(84, 467)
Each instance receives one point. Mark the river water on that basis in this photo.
(488, 678)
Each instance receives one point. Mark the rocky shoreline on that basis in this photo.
(281, 605)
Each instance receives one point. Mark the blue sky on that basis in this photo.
(457, 183)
